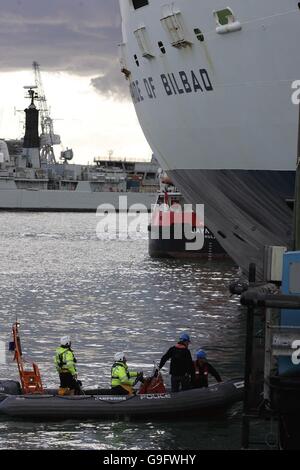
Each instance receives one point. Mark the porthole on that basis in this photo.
(222, 234)
(139, 3)
(162, 47)
(199, 34)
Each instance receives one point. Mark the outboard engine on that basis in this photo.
(10, 387)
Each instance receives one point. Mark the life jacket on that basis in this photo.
(202, 371)
(65, 360)
(118, 371)
(181, 360)
(177, 354)
(201, 374)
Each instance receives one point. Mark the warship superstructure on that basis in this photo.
(29, 180)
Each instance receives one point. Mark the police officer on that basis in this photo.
(65, 363)
(181, 368)
(202, 370)
(123, 380)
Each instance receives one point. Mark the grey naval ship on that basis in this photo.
(31, 178)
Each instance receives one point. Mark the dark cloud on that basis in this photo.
(111, 82)
(77, 36)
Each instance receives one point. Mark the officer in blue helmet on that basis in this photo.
(181, 368)
(202, 370)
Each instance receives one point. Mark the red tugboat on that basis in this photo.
(176, 231)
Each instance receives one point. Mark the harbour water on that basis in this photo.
(58, 277)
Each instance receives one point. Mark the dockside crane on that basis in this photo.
(48, 137)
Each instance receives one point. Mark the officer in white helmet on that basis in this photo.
(65, 363)
(123, 380)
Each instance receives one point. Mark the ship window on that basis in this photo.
(162, 47)
(222, 234)
(199, 34)
(226, 21)
(224, 17)
(238, 237)
(136, 60)
(150, 176)
(139, 3)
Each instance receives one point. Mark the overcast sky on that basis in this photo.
(75, 41)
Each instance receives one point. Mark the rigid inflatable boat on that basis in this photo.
(99, 404)
(29, 399)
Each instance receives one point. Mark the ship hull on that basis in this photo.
(176, 248)
(73, 201)
(246, 210)
(219, 115)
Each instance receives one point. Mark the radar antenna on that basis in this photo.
(32, 94)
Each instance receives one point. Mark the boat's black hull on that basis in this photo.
(195, 402)
(246, 210)
(171, 247)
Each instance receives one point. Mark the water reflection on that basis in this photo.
(59, 278)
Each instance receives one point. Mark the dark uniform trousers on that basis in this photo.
(177, 381)
(67, 381)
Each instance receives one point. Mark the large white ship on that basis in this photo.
(212, 87)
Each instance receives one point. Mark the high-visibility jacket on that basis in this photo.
(65, 361)
(120, 375)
